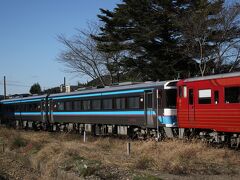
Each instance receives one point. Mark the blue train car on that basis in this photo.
(148, 105)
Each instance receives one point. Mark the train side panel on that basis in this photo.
(110, 110)
(210, 104)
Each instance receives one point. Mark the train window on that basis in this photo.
(149, 100)
(26, 107)
(54, 105)
(232, 95)
(60, 106)
(160, 98)
(77, 105)
(216, 97)
(17, 107)
(171, 98)
(204, 96)
(120, 103)
(23, 107)
(107, 104)
(133, 102)
(185, 91)
(96, 104)
(68, 106)
(180, 92)
(86, 105)
(30, 107)
(190, 97)
(33, 107)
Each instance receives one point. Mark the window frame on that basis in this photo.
(128, 107)
(112, 104)
(228, 87)
(100, 104)
(202, 99)
(115, 103)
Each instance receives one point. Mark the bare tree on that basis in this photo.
(197, 29)
(227, 51)
(212, 39)
(81, 55)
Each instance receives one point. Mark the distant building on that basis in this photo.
(65, 88)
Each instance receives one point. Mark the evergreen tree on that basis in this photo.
(161, 38)
(146, 30)
(35, 89)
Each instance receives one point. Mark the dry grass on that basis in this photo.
(68, 153)
(179, 157)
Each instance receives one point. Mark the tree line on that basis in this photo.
(156, 40)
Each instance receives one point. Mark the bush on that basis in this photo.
(144, 163)
(81, 166)
(18, 142)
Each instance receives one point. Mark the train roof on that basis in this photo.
(145, 86)
(30, 98)
(217, 76)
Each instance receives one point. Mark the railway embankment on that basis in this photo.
(43, 155)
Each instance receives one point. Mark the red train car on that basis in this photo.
(210, 104)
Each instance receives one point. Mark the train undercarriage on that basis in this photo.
(219, 139)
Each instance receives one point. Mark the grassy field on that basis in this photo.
(43, 155)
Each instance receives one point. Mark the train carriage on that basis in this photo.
(129, 105)
(144, 105)
(24, 110)
(210, 104)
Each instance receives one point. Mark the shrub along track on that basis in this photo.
(12, 168)
(43, 155)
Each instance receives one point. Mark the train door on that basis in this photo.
(149, 108)
(43, 111)
(50, 110)
(191, 106)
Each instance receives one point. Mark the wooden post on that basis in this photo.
(84, 136)
(5, 87)
(3, 147)
(128, 148)
(2, 144)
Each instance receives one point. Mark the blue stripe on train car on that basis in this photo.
(27, 113)
(101, 113)
(22, 101)
(86, 113)
(168, 120)
(79, 96)
(101, 94)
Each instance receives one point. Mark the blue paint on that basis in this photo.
(87, 113)
(22, 101)
(101, 94)
(27, 113)
(162, 119)
(77, 96)
(125, 92)
(101, 113)
(167, 119)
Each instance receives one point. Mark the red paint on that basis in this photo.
(222, 117)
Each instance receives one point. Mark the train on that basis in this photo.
(204, 107)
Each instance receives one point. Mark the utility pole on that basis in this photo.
(5, 88)
(64, 81)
